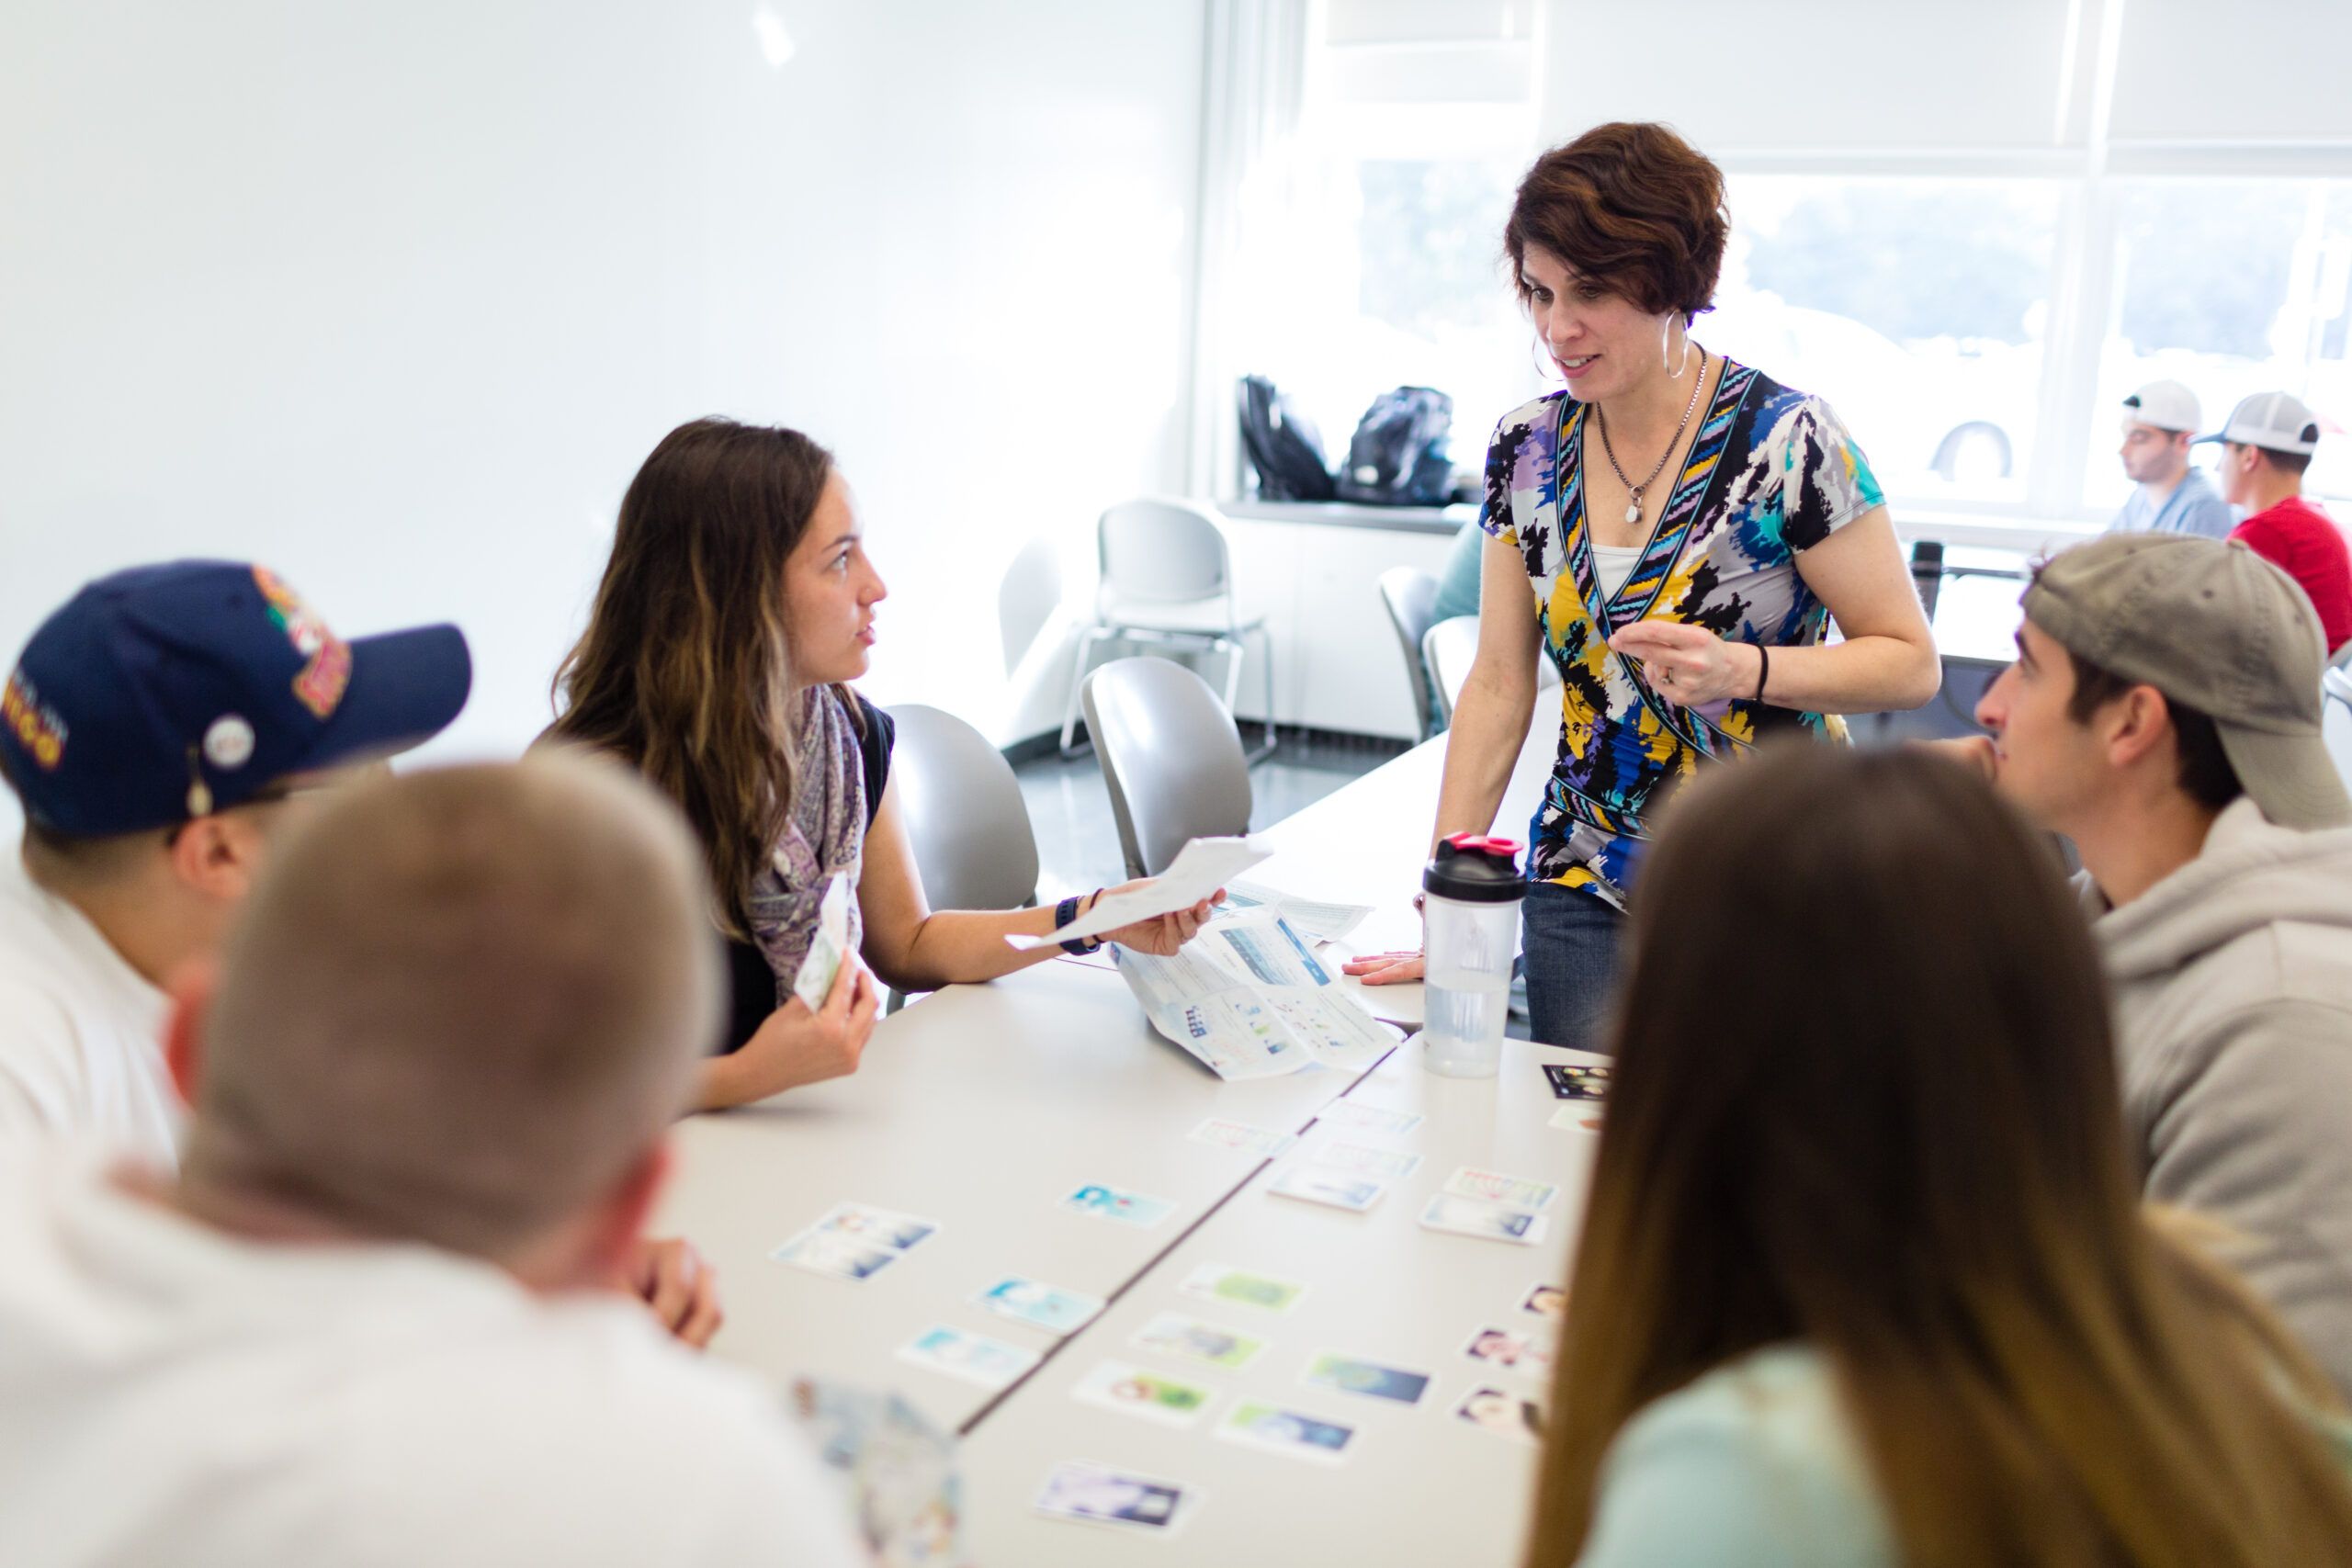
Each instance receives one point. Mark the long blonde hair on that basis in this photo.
(685, 668)
(1865, 1100)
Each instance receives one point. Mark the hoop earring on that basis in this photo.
(1664, 333)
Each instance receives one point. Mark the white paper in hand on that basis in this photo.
(1200, 868)
(828, 947)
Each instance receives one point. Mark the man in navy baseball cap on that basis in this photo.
(156, 728)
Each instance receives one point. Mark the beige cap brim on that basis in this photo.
(2291, 777)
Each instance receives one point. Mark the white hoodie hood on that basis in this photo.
(2233, 984)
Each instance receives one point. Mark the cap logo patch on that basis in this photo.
(36, 725)
(321, 684)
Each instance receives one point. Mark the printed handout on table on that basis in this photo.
(1251, 1001)
(1313, 919)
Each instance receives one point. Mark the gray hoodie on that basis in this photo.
(2234, 1000)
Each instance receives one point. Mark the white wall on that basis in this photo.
(396, 297)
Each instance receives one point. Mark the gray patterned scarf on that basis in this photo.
(825, 834)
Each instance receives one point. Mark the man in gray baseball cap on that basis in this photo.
(2266, 444)
(2163, 714)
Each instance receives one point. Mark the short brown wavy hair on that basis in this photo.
(1633, 208)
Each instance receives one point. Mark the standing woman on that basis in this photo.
(1675, 532)
(1864, 1279)
(738, 605)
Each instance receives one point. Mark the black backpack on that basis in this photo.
(1401, 455)
(1282, 444)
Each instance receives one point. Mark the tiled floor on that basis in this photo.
(1077, 842)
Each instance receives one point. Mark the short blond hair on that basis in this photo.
(462, 1005)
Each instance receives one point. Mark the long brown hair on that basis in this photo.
(1865, 1100)
(685, 668)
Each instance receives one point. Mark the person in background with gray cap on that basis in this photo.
(2163, 713)
(2160, 420)
(2266, 446)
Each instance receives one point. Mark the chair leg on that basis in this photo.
(1233, 685)
(1086, 641)
(1267, 660)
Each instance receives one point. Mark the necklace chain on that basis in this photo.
(1633, 507)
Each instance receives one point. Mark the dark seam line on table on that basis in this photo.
(972, 1421)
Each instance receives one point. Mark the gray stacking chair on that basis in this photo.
(974, 846)
(1409, 593)
(1167, 580)
(1171, 756)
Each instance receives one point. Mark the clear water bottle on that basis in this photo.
(1471, 933)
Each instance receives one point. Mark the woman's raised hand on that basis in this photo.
(1690, 665)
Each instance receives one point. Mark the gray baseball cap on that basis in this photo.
(2276, 421)
(2215, 627)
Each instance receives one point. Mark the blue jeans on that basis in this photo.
(1571, 957)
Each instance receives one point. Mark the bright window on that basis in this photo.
(2232, 288)
(1916, 307)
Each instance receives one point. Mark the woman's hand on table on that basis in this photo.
(795, 1046)
(1690, 664)
(1161, 935)
(1385, 968)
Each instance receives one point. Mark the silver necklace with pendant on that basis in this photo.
(1634, 505)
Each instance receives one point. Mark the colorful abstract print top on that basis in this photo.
(1771, 472)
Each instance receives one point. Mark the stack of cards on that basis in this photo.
(974, 1358)
(1352, 1375)
(1340, 1192)
(1216, 1283)
(1173, 1334)
(1048, 1307)
(1291, 1432)
(1502, 1413)
(1098, 1495)
(1131, 1390)
(1548, 1301)
(1371, 1119)
(1526, 1352)
(1260, 1141)
(1489, 1222)
(1110, 1203)
(855, 1241)
(1570, 1082)
(1361, 1159)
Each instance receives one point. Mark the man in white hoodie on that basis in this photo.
(2163, 714)
(366, 1320)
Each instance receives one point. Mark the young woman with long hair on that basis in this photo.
(1864, 1277)
(738, 603)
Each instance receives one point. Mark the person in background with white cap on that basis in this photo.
(162, 730)
(2266, 446)
(2163, 714)
(2160, 420)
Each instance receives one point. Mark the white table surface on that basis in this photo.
(1427, 1488)
(979, 1107)
(1367, 841)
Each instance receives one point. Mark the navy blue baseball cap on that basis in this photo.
(170, 692)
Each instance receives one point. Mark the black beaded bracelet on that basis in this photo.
(1064, 913)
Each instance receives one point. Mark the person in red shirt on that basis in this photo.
(2266, 445)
